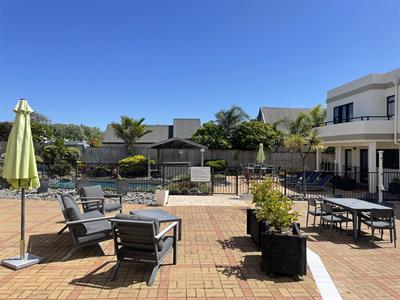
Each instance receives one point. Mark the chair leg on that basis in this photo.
(63, 229)
(382, 234)
(70, 253)
(153, 275)
(394, 236)
(307, 219)
(330, 230)
(320, 225)
(115, 270)
(314, 221)
(391, 235)
(372, 233)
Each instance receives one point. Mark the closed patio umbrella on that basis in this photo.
(260, 154)
(21, 173)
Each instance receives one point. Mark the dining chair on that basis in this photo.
(331, 218)
(381, 219)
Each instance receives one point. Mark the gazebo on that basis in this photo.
(174, 157)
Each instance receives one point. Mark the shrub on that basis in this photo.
(273, 206)
(217, 164)
(72, 155)
(134, 166)
(61, 168)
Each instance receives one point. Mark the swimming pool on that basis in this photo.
(106, 184)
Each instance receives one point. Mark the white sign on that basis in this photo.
(200, 174)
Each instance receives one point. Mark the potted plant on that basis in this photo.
(162, 196)
(283, 248)
(394, 186)
(247, 180)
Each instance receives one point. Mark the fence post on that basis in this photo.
(212, 180)
(163, 176)
(76, 172)
(285, 174)
(237, 181)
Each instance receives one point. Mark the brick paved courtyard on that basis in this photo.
(215, 261)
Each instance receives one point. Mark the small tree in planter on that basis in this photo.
(283, 248)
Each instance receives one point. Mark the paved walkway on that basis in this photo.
(215, 261)
(216, 200)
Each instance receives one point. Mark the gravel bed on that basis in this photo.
(132, 197)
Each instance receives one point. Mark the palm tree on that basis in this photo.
(129, 130)
(231, 117)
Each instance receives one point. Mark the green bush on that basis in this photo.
(217, 164)
(134, 166)
(273, 206)
(72, 155)
(186, 187)
(61, 168)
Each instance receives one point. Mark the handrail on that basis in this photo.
(361, 118)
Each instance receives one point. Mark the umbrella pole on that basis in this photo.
(22, 242)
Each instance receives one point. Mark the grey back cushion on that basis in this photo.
(71, 208)
(139, 235)
(93, 191)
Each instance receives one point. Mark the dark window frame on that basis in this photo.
(338, 112)
(389, 100)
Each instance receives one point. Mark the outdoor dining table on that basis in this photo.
(355, 206)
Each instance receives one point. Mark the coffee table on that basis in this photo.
(162, 216)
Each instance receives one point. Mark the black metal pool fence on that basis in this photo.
(234, 180)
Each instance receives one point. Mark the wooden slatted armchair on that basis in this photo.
(86, 229)
(95, 192)
(138, 239)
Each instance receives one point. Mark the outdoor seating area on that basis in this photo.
(215, 259)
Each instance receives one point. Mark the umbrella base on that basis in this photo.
(17, 263)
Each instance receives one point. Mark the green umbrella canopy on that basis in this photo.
(20, 164)
(260, 153)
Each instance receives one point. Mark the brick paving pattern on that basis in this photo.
(215, 261)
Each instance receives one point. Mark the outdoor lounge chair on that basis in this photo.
(380, 219)
(138, 239)
(86, 229)
(95, 192)
(320, 185)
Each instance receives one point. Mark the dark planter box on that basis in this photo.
(255, 228)
(44, 186)
(394, 187)
(284, 254)
(4, 183)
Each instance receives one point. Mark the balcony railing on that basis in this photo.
(362, 118)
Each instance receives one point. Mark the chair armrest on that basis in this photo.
(92, 198)
(165, 231)
(89, 201)
(87, 220)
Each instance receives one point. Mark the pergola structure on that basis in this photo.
(179, 144)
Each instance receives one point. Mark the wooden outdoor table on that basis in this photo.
(355, 206)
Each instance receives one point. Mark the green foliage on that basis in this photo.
(230, 118)
(249, 135)
(129, 130)
(70, 132)
(37, 117)
(213, 136)
(186, 187)
(42, 132)
(217, 164)
(273, 206)
(93, 135)
(134, 166)
(50, 154)
(5, 129)
(61, 168)
(59, 158)
(72, 155)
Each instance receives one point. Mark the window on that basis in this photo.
(390, 106)
(343, 113)
(390, 158)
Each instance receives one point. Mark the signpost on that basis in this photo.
(200, 174)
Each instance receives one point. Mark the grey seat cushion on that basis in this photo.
(95, 237)
(113, 206)
(93, 191)
(71, 208)
(335, 218)
(377, 223)
(125, 216)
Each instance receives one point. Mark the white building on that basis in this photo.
(362, 118)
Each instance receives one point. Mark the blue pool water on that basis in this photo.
(106, 185)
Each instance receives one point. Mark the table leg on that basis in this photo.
(179, 229)
(355, 226)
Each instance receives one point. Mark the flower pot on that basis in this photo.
(122, 187)
(44, 185)
(284, 254)
(255, 227)
(162, 197)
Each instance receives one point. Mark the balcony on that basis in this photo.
(360, 129)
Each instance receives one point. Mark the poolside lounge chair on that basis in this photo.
(138, 239)
(95, 192)
(320, 185)
(86, 229)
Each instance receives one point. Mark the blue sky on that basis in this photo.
(91, 61)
